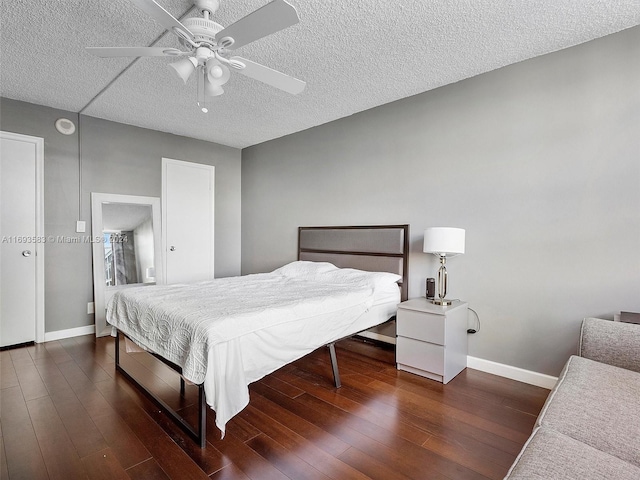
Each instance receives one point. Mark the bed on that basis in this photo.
(226, 333)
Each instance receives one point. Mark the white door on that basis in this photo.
(187, 213)
(21, 252)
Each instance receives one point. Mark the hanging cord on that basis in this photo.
(79, 172)
(474, 330)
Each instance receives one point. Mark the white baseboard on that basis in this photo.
(495, 368)
(514, 373)
(68, 333)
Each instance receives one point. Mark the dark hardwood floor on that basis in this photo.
(66, 414)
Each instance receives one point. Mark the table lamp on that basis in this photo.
(443, 242)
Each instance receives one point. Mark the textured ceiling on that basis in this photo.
(353, 54)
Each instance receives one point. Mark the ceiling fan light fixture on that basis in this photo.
(211, 89)
(217, 73)
(185, 67)
(206, 89)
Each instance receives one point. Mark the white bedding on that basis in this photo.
(229, 332)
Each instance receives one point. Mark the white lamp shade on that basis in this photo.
(184, 67)
(211, 89)
(217, 74)
(444, 240)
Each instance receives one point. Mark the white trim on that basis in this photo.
(38, 247)
(40, 333)
(514, 373)
(69, 332)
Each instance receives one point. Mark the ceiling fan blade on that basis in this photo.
(270, 77)
(164, 18)
(135, 51)
(268, 19)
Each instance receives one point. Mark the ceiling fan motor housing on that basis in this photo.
(203, 30)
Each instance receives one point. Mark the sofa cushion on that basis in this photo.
(614, 343)
(551, 455)
(599, 405)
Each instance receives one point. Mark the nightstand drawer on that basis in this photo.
(420, 325)
(417, 354)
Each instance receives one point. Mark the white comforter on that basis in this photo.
(198, 326)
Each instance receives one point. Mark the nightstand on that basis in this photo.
(431, 339)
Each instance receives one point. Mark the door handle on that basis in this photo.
(26, 253)
(172, 248)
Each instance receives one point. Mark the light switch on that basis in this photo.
(81, 226)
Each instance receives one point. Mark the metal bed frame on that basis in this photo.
(341, 253)
(199, 434)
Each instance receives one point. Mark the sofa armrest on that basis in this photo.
(614, 343)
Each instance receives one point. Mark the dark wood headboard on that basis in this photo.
(375, 248)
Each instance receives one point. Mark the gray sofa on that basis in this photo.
(589, 427)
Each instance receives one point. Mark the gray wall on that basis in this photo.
(116, 158)
(539, 161)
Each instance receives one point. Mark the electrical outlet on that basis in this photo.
(81, 226)
(90, 308)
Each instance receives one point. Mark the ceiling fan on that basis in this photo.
(209, 45)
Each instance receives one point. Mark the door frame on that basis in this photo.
(38, 246)
(212, 171)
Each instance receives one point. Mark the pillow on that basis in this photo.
(350, 275)
(305, 269)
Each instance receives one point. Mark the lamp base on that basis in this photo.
(442, 302)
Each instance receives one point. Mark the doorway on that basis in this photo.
(187, 220)
(21, 239)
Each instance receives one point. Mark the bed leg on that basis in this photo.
(117, 348)
(181, 386)
(334, 364)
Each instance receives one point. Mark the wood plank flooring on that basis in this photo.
(66, 414)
